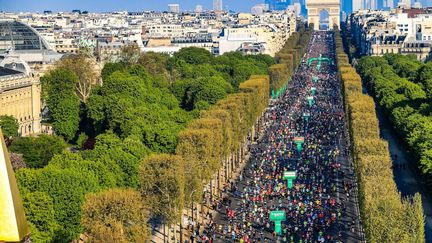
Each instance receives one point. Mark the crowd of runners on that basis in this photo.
(314, 208)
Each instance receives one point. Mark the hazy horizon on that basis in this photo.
(115, 5)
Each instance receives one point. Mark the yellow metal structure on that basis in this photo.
(13, 224)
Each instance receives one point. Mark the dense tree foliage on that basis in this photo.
(38, 151)
(220, 131)
(145, 104)
(116, 215)
(9, 126)
(288, 58)
(67, 188)
(385, 217)
(39, 210)
(162, 186)
(130, 103)
(83, 67)
(121, 156)
(401, 86)
(62, 102)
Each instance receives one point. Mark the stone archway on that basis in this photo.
(314, 7)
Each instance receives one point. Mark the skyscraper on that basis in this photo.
(404, 3)
(277, 4)
(371, 4)
(174, 8)
(198, 9)
(217, 5)
(389, 4)
(347, 6)
(357, 5)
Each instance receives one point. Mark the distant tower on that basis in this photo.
(404, 3)
(217, 5)
(372, 5)
(198, 9)
(417, 4)
(174, 8)
(389, 4)
(13, 224)
(278, 4)
(258, 9)
(357, 5)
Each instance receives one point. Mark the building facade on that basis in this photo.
(403, 31)
(20, 97)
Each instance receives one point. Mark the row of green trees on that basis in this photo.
(169, 182)
(191, 80)
(386, 217)
(288, 58)
(403, 88)
(119, 128)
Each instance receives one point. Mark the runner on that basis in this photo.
(313, 206)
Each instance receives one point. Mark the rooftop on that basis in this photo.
(7, 72)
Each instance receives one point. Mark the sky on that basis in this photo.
(117, 5)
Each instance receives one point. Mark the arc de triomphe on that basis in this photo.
(314, 8)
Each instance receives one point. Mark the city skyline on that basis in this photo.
(113, 5)
(162, 5)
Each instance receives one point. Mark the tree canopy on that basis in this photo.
(9, 126)
(386, 218)
(38, 151)
(116, 215)
(148, 107)
(62, 102)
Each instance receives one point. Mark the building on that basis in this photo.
(357, 5)
(174, 8)
(403, 31)
(20, 97)
(296, 8)
(22, 42)
(198, 9)
(217, 5)
(258, 9)
(389, 4)
(24, 56)
(404, 3)
(277, 5)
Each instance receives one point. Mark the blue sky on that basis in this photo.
(113, 5)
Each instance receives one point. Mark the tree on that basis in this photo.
(130, 53)
(39, 210)
(385, 217)
(38, 151)
(104, 173)
(203, 89)
(194, 55)
(130, 104)
(116, 215)
(84, 68)
(67, 188)
(62, 102)
(122, 157)
(155, 63)
(162, 183)
(111, 67)
(9, 126)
